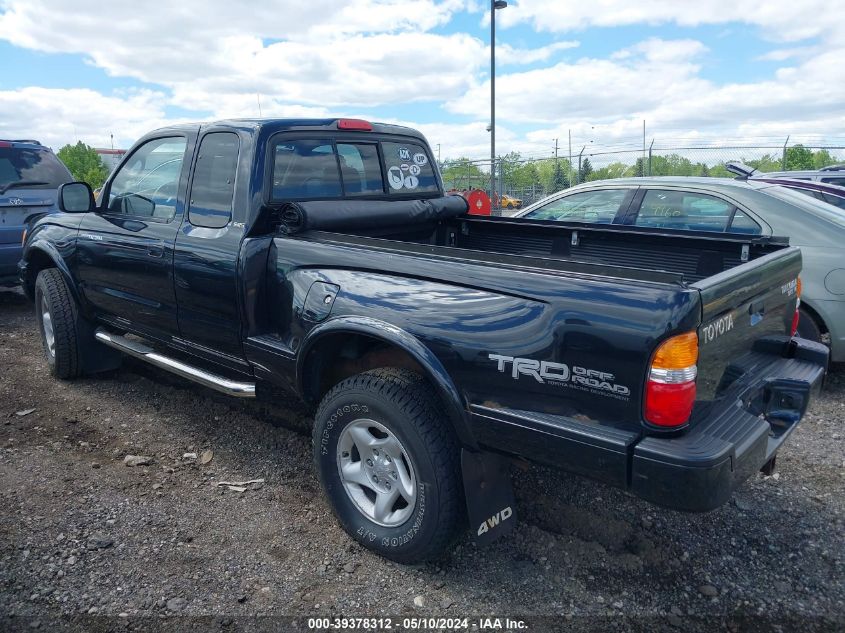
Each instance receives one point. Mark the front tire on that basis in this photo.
(389, 463)
(57, 318)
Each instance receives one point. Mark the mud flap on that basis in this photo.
(489, 495)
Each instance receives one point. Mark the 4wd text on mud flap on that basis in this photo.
(493, 521)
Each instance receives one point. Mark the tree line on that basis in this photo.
(552, 174)
(549, 174)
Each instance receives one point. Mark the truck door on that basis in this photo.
(125, 248)
(206, 254)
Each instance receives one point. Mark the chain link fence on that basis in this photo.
(522, 181)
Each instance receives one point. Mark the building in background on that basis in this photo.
(110, 157)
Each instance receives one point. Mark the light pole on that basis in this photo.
(494, 6)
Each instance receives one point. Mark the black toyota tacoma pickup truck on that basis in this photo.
(321, 257)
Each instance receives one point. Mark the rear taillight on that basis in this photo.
(670, 391)
(795, 319)
(797, 316)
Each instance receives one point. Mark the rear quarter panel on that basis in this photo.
(601, 329)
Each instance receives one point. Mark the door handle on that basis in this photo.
(155, 251)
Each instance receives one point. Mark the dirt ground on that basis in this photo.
(88, 540)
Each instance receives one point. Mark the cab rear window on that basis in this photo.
(306, 169)
(322, 168)
(407, 169)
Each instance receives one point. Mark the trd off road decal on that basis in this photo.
(562, 375)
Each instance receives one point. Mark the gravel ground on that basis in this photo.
(84, 536)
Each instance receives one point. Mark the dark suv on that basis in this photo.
(30, 175)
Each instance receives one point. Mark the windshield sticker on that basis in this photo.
(415, 170)
(404, 153)
(420, 159)
(411, 182)
(404, 166)
(394, 177)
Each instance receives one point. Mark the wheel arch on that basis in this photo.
(323, 349)
(38, 256)
(814, 314)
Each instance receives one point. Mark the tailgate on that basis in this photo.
(752, 301)
(16, 208)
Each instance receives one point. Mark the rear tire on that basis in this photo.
(56, 313)
(808, 328)
(389, 463)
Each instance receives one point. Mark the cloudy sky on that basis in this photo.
(702, 71)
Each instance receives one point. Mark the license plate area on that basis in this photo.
(783, 402)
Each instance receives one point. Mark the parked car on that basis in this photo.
(831, 194)
(821, 190)
(833, 174)
(30, 175)
(745, 207)
(428, 341)
(510, 202)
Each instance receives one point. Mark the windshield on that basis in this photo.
(18, 164)
(816, 207)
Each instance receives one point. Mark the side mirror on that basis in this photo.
(76, 197)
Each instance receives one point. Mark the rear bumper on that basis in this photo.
(762, 398)
(10, 254)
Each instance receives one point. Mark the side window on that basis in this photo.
(306, 168)
(741, 223)
(360, 168)
(596, 207)
(213, 185)
(147, 184)
(840, 180)
(685, 210)
(407, 169)
(837, 201)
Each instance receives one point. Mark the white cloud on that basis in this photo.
(782, 54)
(58, 116)
(508, 55)
(336, 52)
(333, 57)
(636, 80)
(783, 20)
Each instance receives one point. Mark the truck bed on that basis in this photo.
(615, 251)
(726, 275)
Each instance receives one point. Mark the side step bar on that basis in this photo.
(139, 350)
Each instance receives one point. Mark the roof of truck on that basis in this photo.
(282, 125)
